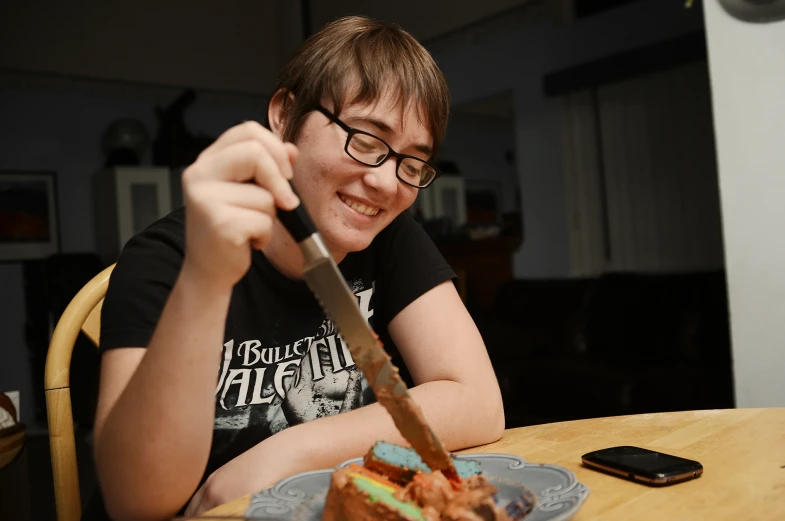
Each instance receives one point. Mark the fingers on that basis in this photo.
(244, 195)
(231, 194)
(253, 131)
(245, 161)
(243, 226)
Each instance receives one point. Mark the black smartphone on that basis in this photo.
(643, 465)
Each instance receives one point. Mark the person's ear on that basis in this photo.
(278, 111)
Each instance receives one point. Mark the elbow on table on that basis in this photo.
(126, 506)
(493, 417)
(496, 422)
(133, 488)
(134, 498)
(488, 424)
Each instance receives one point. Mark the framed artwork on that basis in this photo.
(28, 215)
(444, 198)
(449, 199)
(127, 200)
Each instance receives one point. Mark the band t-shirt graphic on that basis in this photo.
(272, 387)
(282, 362)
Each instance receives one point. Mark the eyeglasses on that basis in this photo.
(370, 150)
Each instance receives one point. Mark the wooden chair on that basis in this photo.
(82, 314)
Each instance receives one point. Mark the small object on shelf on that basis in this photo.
(174, 145)
(479, 232)
(125, 142)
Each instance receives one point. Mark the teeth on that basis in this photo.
(359, 207)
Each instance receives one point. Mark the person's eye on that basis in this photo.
(412, 170)
(364, 143)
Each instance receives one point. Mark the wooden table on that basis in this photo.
(742, 452)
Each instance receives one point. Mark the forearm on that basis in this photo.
(153, 447)
(461, 416)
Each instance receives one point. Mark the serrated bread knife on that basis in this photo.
(327, 283)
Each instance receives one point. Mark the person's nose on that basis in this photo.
(382, 178)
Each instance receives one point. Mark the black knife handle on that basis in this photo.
(297, 222)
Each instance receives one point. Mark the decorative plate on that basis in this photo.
(559, 494)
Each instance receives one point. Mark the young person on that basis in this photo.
(220, 373)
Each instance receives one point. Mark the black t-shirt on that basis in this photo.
(282, 362)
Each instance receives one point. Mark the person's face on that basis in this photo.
(349, 202)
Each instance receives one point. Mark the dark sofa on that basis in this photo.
(617, 344)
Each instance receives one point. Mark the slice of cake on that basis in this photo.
(394, 484)
(400, 464)
(358, 494)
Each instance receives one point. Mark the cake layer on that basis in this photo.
(400, 464)
(357, 494)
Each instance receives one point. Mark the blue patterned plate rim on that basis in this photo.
(559, 493)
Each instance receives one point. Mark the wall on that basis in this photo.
(748, 82)
(422, 19)
(201, 43)
(57, 125)
(514, 53)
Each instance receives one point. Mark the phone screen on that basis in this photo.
(637, 458)
(643, 462)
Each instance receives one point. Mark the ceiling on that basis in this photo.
(234, 48)
(424, 19)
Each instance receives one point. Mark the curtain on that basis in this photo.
(641, 175)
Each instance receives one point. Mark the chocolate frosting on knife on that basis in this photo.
(391, 392)
(328, 285)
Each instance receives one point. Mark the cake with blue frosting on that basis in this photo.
(394, 484)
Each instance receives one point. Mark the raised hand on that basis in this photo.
(231, 194)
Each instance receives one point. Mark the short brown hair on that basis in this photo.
(381, 56)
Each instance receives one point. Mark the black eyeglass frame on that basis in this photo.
(351, 132)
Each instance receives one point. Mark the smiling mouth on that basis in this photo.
(358, 207)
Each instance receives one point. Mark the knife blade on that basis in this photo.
(323, 277)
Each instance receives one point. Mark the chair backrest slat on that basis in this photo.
(82, 314)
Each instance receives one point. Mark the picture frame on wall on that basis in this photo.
(29, 227)
(127, 199)
(449, 199)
